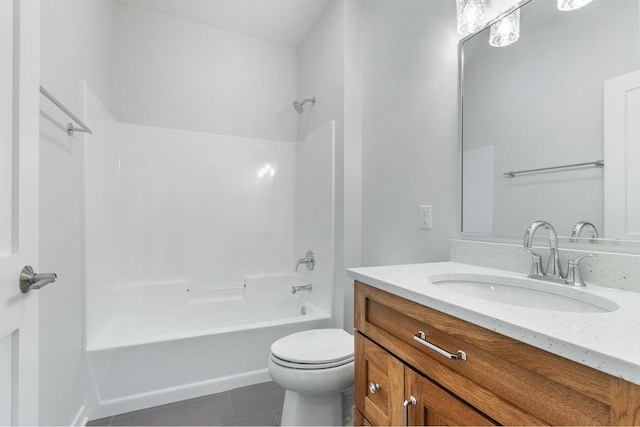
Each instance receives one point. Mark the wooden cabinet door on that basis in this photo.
(435, 406)
(379, 383)
(359, 419)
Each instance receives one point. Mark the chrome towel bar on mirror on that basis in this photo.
(512, 174)
(421, 337)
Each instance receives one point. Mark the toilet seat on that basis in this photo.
(294, 365)
(314, 349)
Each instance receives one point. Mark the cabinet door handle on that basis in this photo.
(373, 388)
(421, 337)
(410, 401)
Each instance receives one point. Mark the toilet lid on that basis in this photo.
(315, 347)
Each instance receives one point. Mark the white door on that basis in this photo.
(621, 156)
(19, 122)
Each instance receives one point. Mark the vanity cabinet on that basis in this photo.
(401, 351)
(385, 384)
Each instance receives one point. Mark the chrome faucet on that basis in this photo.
(553, 265)
(309, 260)
(296, 289)
(553, 272)
(577, 230)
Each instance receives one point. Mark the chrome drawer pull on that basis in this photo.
(421, 337)
(373, 388)
(410, 401)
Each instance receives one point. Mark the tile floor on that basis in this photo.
(256, 405)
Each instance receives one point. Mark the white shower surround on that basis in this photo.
(177, 222)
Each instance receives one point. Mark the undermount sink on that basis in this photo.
(524, 293)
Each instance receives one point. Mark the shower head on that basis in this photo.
(298, 105)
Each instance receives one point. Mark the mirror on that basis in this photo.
(537, 104)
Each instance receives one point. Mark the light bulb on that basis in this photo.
(567, 5)
(470, 15)
(506, 31)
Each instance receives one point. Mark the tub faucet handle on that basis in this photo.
(309, 260)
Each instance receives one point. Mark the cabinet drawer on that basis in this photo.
(511, 382)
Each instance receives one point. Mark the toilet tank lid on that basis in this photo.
(314, 346)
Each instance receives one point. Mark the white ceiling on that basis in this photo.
(281, 21)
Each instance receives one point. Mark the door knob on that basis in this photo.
(31, 280)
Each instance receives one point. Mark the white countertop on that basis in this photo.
(608, 342)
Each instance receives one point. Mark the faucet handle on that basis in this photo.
(576, 261)
(574, 276)
(530, 251)
(536, 264)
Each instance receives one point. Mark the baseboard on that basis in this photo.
(106, 408)
(81, 417)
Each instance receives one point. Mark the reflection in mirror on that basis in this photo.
(6, 127)
(539, 103)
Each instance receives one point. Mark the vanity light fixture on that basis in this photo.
(470, 14)
(506, 31)
(566, 5)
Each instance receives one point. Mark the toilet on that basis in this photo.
(316, 369)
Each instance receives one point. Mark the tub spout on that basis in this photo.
(295, 289)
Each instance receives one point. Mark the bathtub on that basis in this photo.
(165, 342)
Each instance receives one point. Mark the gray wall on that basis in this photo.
(174, 73)
(409, 134)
